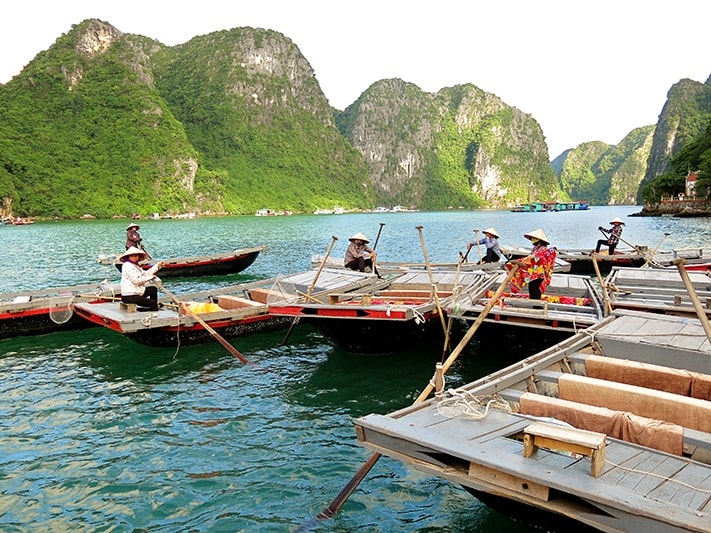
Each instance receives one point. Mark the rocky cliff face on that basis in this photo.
(458, 147)
(684, 116)
(607, 175)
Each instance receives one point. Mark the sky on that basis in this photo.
(585, 70)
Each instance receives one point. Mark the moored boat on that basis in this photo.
(609, 429)
(37, 312)
(397, 267)
(205, 265)
(569, 303)
(581, 260)
(232, 311)
(658, 290)
(394, 313)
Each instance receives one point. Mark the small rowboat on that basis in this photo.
(204, 265)
(233, 311)
(396, 312)
(38, 312)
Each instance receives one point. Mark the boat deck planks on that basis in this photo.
(638, 488)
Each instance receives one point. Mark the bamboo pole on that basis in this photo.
(700, 312)
(331, 509)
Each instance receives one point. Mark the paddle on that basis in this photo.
(311, 287)
(694, 297)
(219, 338)
(478, 250)
(330, 510)
(375, 245)
(140, 245)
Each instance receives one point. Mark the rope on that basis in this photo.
(469, 405)
(659, 476)
(419, 317)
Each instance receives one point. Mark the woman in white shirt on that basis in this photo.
(135, 280)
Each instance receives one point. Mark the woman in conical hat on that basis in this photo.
(132, 236)
(491, 241)
(614, 234)
(537, 268)
(135, 288)
(359, 256)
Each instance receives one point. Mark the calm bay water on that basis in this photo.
(100, 433)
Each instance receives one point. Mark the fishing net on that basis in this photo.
(60, 309)
(284, 290)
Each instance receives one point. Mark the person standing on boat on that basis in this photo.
(491, 241)
(132, 236)
(135, 280)
(613, 236)
(536, 269)
(356, 258)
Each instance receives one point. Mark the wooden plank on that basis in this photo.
(677, 489)
(508, 481)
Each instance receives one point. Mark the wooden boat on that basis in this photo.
(232, 311)
(204, 265)
(581, 262)
(397, 267)
(571, 302)
(394, 313)
(37, 312)
(610, 429)
(657, 290)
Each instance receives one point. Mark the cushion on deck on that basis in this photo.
(688, 412)
(655, 434)
(641, 374)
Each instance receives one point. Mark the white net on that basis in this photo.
(60, 309)
(284, 291)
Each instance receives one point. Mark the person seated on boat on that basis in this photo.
(135, 280)
(359, 256)
(491, 242)
(132, 236)
(613, 236)
(536, 269)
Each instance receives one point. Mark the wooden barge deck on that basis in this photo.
(517, 437)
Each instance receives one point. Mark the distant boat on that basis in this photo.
(548, 207)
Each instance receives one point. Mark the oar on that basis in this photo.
(375, 245)
(639, 251)
(478, 250)
(311, 287)
(144, 249)
(377, 238)
(432, 281)
(694, 297)
(651, 256)
(219, 338)
(330, 510)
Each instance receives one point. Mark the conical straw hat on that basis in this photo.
(537, 234)
(616, 220)
(491, 231)
(359, 236)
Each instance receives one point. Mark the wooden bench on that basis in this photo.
(554, 437)
(128, 308)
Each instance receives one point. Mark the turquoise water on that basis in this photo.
(100, 433)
